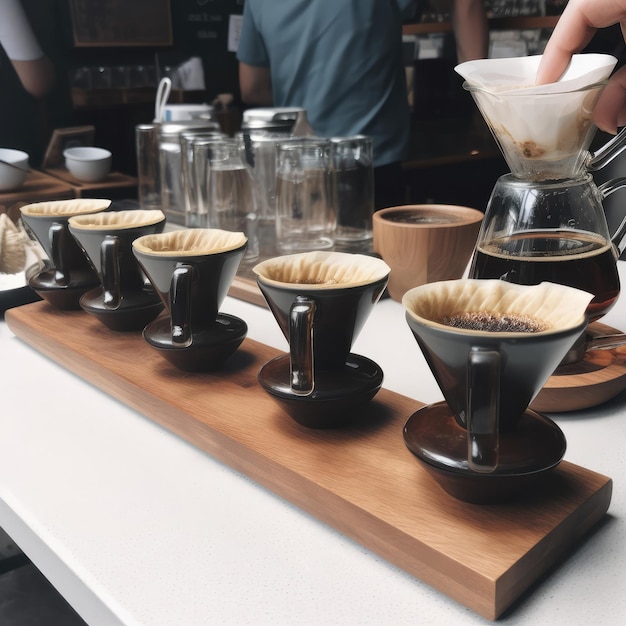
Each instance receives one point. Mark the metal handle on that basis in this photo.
(604, 155)
(606, 189)
(162, 96)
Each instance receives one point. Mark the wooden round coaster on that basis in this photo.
(600, 376)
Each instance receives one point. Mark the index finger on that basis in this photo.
(577, 25)
(571, 34)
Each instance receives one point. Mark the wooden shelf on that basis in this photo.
(495, 23)
(106, 98)
(36, 188)
(114, 181)
(523, 23)
(425, 28)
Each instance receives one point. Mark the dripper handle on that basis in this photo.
(483, 408)
(57, 234)
(110, 271)
(604, 155)
(606, 189)
(180, 304)
(301, 316)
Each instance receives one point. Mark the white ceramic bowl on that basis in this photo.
(11, 177)
(88, 164)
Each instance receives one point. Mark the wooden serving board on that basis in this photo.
(245, 288)
(361, 480)
(113, 181)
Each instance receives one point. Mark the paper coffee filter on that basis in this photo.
(518, 74)
(554, 127)
(75, 206)
(13, 243)
(117, 219)
(557, 306)
(322, 270)
(544, 131)
(191, 242)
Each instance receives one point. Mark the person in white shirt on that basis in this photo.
(27, 75)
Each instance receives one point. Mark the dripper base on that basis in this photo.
(133, 313)
(208, 350)
(338, 396)
(62, 297)
(536, 446)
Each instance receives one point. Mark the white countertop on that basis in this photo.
(135, 526)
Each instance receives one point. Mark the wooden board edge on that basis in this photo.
(546, 555)
(247, 290)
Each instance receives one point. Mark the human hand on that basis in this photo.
(574, 30)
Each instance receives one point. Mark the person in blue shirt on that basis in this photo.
(342, 61)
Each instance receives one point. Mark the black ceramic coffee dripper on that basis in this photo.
(68, 273)
(321, 301)
(491, 346)
(126, 300)
(192, 270)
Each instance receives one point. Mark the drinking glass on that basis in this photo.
(148, 173)
(352, 172)
(190, 169)
(170, 165)
(305, 216)
(230, 193)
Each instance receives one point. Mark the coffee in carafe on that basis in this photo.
(550, 232)
(572, 259)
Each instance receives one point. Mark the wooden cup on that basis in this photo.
(424, 243)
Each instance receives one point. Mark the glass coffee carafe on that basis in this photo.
(545, 220)
(551, 231)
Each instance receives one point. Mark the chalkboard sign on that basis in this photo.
(204, 23)
(121, 22)
(203, 28)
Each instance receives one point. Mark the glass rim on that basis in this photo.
(523, 91)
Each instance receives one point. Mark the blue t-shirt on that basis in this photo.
(339, 59)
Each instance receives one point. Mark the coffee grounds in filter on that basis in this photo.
(495, 322)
